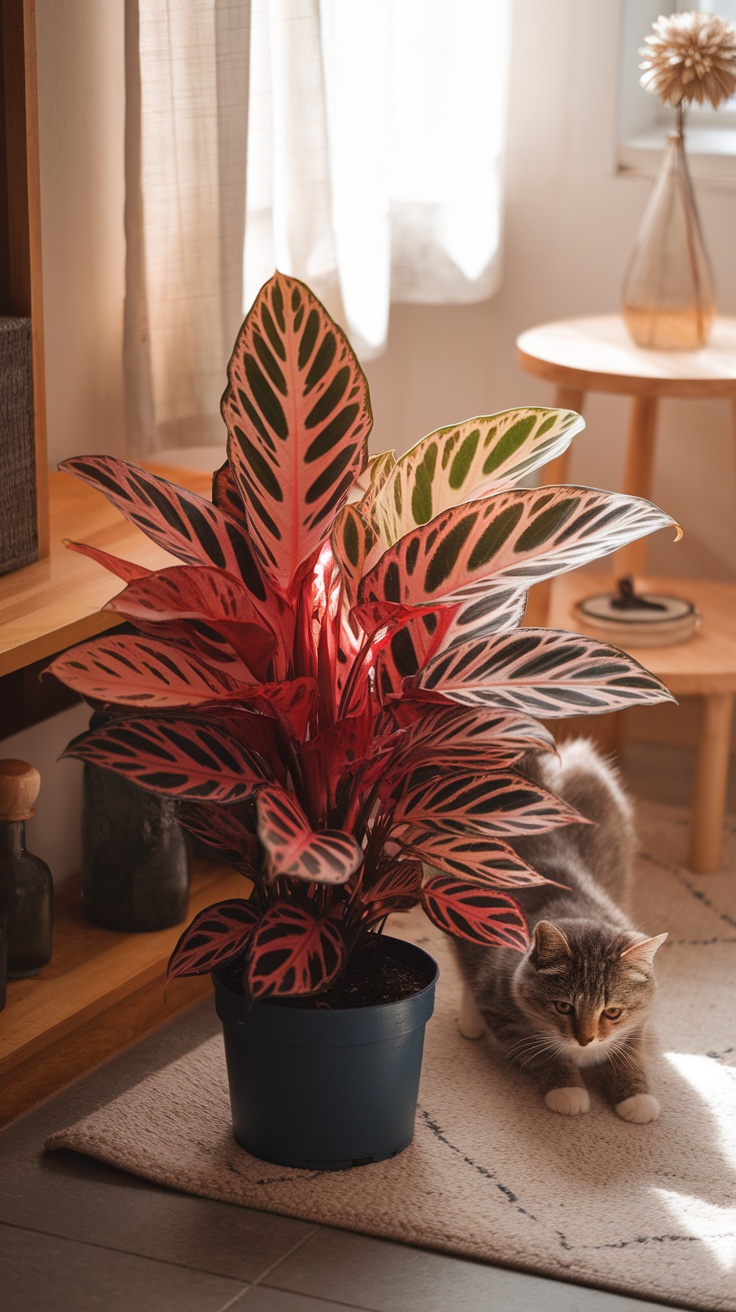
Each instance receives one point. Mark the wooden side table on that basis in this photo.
(596, 355)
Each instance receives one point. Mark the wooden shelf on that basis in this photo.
(100, 992)
(56, 602)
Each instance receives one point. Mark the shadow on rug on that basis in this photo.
(648, 1210)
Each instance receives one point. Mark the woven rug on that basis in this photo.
(648, 1210)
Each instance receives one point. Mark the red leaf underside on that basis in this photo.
(294, 952)
(218, 934)
(466, 911)
(482, 860)
(296, 850)
(140, 672)
(179, 758)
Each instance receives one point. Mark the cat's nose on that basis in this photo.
(585, 1039)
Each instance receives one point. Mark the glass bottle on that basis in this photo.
(135, 863)
(668, 303)
(27, 880)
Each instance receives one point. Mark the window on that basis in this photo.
(643, 122)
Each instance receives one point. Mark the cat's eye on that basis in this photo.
(612, 1013)
(564, 1008)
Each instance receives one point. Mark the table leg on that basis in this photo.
(711, 781)
(637, 480)
(566, 398)
(540, 596)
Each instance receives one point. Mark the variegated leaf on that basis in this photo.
(369, 484)
(518, 537)
(295, 952)
(139, 672)
(396, 888)
(543, 672)
(351, 540)
(294, 849)
(467, 461)
(124, 569)
(201, 644)
(451, 734)
(206, 594)
(186, 525)
(415, 640)
(466, 911)
(298, 418)
(226, 495)
(481, 859)
(467, 802)
(188, 759)
(216, 935)
(226, 830)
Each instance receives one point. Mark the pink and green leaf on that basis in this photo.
(518, 537)
(226, 831)
(188, 759)
(186, 525)
(448, 734)
(397, 888)
(415, 640)
(123, 569)
(226, 495)
(541, 672)
(467, 461)
(140, 672)
(298, 418)
(295, 952)
(499, 804)
(466, 911)
(215, 936)
(351, 540)
(481, 859)
(297, 851)
(207, 595)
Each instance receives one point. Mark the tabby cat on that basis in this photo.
(580, 996)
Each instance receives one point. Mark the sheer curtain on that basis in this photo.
(356, 144)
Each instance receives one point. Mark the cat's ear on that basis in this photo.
(549, 944)
(644, 949)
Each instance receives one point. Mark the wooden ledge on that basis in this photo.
(101, 992)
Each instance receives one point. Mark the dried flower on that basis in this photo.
(690, 57)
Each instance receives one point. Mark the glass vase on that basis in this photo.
(668, 302)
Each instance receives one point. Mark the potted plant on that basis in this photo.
(335, 686)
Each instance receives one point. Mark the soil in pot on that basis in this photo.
(374, 975)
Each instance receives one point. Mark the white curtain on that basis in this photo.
(375, 149)
(186, 124)
(373, 171)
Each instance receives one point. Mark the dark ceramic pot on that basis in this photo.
(326, 1088)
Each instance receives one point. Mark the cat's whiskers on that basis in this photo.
(532, 1049)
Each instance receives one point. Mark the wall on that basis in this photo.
(81, 93)
(570, 223)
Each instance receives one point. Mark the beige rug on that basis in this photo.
(491, 1174)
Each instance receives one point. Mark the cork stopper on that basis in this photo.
(19, 787)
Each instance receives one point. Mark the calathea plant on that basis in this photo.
(334, 681)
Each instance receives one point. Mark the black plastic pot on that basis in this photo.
(326, 1088)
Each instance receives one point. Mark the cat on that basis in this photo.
(580, 996)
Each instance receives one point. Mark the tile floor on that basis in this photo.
(77, 1236)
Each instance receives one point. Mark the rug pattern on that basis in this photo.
(491, 1174)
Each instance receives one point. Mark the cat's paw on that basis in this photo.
(639, 1109)
(469, 1021)
(568, 1102)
